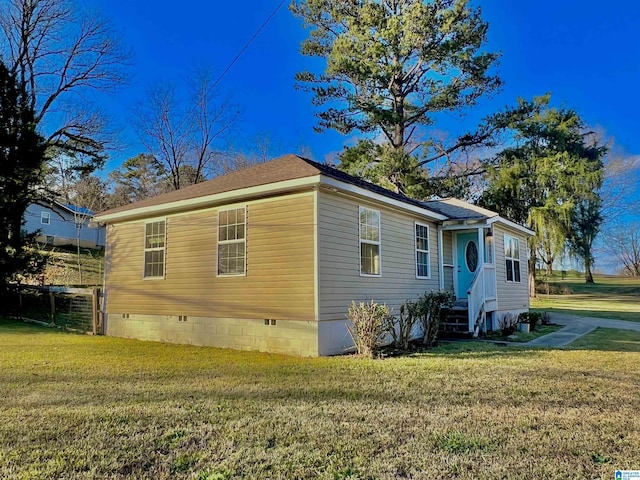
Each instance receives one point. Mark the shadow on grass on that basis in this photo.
(9, 326)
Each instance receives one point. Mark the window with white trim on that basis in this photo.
(232, 242)
(45, 218)
(422, 251)
(369, 221)
(154, 249)
(512, 258)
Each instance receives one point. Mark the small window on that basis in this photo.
(422, 251)
(471, 256)
(369, 242)
(154, 249)
(232, 242)
(45, 218)
(512, 258)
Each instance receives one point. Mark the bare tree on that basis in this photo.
(182, 131)
(60, 53)
(261, 150)
(624, 245)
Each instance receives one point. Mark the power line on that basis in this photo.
(255, 35)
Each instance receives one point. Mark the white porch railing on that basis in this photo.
(481, 296)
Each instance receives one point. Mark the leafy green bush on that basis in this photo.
(532, 318)
(369, 323)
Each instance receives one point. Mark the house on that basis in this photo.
(269, 258)
(62, 224)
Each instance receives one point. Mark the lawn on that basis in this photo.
(610, 297)
(76, 406)
(609, 339)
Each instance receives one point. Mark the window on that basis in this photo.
(471, 256)
(45, 218)
(154, 245)
(369, 242)
(422, 251)
(231, 242)
(512, 258)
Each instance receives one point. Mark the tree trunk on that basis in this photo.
(588, 276)
(549, 265)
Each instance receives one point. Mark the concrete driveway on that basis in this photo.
(575, 327)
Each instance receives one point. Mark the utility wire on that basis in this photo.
(255, 35)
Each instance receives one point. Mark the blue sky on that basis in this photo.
(586, 53)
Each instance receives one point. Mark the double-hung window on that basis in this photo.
(232, 230)
(369, 241)
(512, 258)
(154, 249)
(45, 218)
(422, 251)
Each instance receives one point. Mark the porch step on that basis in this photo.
(455, 320)
(461, 303)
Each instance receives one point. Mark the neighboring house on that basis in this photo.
(269, 258)
(61, 224)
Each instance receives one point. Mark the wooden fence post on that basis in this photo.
(52, 302)
(20, 301)
(94, 309)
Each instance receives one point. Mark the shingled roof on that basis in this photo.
(288, 167)
(459, 210)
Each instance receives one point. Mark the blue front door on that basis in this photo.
(468, 260)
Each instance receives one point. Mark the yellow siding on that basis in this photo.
(511, 295)
(339, 263)
(279, 282)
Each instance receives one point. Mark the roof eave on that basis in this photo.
(514, 225)
(208, 200)
(362, 192)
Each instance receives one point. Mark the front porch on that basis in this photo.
(468, 269)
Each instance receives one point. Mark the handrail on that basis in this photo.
(481, 289)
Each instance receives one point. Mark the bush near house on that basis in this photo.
(532, 318)
(373, 323)
(507, 324)
(369, 324)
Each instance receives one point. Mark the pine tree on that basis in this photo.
(22, 156)
(391, 68)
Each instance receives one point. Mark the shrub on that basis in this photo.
(400, 327)
(369, 323)
(429, 308)
(532, 318)
(545, 319)
(507, 324)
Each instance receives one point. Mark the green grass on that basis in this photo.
(609, 339)
(540, 331)
(524, 337)
(75, 406)
(610, 297)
